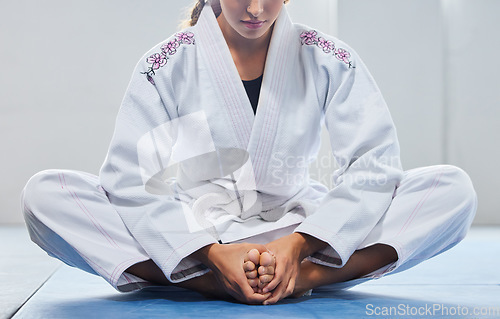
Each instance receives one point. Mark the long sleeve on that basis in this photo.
(142, 146)
(365, 146)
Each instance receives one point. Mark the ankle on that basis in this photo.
(149, 271)
(373, 258)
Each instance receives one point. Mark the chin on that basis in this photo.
(253, 35)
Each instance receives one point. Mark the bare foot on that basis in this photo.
(259, 269)
(252, 261)
(266, 269)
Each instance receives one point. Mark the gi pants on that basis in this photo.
(70, 217)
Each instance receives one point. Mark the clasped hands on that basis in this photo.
(260, 274)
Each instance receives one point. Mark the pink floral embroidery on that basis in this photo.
(311, 38)
(343, 55)
(170, 48)
(158, 60)
(185, 37)
(328, 46)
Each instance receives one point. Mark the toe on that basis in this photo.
(269, 270)
(248, 266)
(252, 274)
(266, 259)
(254, 283)
(254, 256)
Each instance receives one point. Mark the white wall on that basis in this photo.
(320, 14)
(437, 64)
(473, 97)
(65, 66)
(405, 56)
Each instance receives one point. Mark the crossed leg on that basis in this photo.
(443, 228)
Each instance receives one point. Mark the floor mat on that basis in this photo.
(460, 283)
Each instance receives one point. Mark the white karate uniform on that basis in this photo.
(190, 165)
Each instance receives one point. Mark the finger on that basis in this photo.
(243, 292)
(282, 291)
(258, 298)
(262, 285)
(276, 294)
(261, 288)
(251, 297)
(264, 280)
(277, 279)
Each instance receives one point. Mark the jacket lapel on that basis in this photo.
(256, 133)
(224, 77)
(279, 64)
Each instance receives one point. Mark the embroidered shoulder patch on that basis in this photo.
(158, 60)
(311, 38)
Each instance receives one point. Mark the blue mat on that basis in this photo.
(461, 283)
